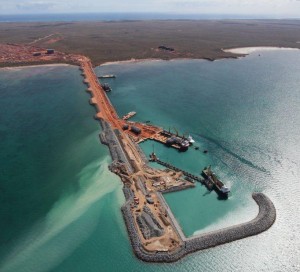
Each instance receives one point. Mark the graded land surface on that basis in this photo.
(124, 40)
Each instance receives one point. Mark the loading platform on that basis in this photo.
(172, 167)
(208, 184)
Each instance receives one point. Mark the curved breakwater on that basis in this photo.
(263, 221)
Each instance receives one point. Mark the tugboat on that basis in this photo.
(106, 87)
(153, 157)
(219, 187)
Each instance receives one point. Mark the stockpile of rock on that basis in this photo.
(148, 224)
(138, 249)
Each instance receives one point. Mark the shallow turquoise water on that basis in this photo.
(245, 113)
(60, 206)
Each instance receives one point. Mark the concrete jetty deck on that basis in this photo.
(99, 97)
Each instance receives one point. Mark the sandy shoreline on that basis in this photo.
(128, 61)
(35, 65)
(237, 51)
(249, 50)
(151, 60)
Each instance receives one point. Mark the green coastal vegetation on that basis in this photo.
(124, 40)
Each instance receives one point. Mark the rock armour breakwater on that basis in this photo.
(263, 221)
(125, 165)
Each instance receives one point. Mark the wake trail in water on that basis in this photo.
(233, 154)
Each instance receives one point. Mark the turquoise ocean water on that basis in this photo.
(60, 206)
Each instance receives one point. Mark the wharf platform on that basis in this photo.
(172, 167)
(205, 182)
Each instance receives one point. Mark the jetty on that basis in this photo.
(154, 232)
(172, 167)
(209, 185)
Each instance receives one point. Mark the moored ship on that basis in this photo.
(129, 115)
(107, 76)
(181, 143)
(184, 145)
(219, 186)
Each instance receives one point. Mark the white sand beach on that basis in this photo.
(249, 50)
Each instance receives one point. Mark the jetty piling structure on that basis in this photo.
(172, 167)
(129, 163)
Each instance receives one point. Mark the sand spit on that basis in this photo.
(154, 60)
(34, 66)
(128, 61)
(249, 50)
